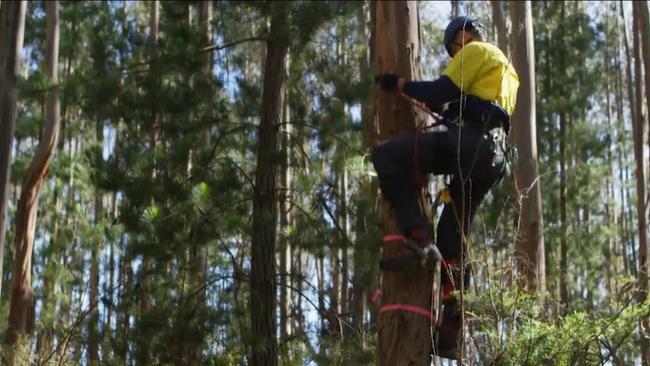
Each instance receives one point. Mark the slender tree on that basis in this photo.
(93, 311)
(285, 214)
(499, 25)
(638, 126)
(94, 296)
(530, 242)
(631, 95)
(263, 270)
(361, 278)
(645, 41)
(564, 252)
(455, 8)
(13, 28)
(22, 298)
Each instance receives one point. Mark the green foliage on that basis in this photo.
(512, 327)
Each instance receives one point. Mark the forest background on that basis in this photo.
(153, 176)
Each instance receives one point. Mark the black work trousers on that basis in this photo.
(470, 156)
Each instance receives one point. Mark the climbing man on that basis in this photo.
(479, 87)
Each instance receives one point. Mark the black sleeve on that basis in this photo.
(432, 93)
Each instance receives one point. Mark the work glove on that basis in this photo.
(388, 82)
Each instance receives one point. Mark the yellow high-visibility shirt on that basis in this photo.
(481, 69)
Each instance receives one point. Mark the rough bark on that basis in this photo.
(529, 248)
(263, 271)
(404, 337)
(638, 125)
(14, 30)
(26, 214)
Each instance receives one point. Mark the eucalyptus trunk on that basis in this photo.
(529, 248)
(13, 29)
(621, 141)
(638, 125)
(397, 46)
(644, 25)
(500, 25)
(361, 254)
(22, 298)
(629, 82)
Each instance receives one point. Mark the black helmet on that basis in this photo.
(458, 23)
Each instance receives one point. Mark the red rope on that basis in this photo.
(408, 308)
(402, 307)
(422, 107)
(394, 237)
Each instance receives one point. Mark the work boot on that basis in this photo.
(449, 330)
(423, 238)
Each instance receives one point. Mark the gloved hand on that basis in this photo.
(388, 82)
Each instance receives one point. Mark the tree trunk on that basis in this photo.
(644, 24)
(563, 268)
(455, 8)
(564, 288)
(93, 311)
(633, 113)
(622, 145)
(361, 280)
(14, 13)
(342, 213)
(110, 283)
(142, 353)
(397, 44)
(320, 275)
(21, 292)
(638, 126)
(529, 250)
(125, 281)
(610, 210)
(333, 310)
(197, 255)
(263, 271)
(284, 248)
(500, 27)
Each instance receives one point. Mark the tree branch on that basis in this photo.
(233, 43)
